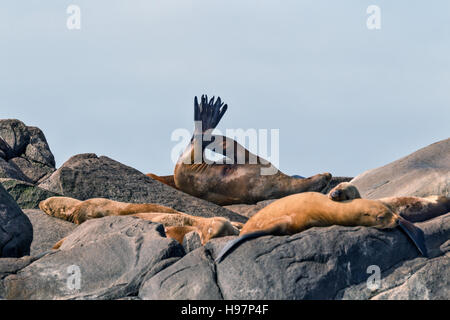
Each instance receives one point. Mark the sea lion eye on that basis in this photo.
(380, 217)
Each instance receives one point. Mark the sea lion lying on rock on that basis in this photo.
(414, 209)
(298, 212)
(79, 211)
(237, 183)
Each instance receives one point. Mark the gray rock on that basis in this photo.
(24, 152)
(46, 231)
(422, 173)
(192, 277)
(87, 176)
(26, 195)
(10, 266)
(5, 151)
(318, 263)
(110, 257)
(16, 231)
(417, 279)
(15, 134)
(11, 171)
(38, 149)
(32, 170)
(191, 241)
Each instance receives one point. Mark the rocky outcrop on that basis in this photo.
(26, 195)
(87, 176)
(320, 263)
(24, 152)
(422, 173)
(16, 231)
(104, 258)
(47, 231)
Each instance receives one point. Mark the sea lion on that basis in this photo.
(168, 180)
(58, 207)
(344, 191)
(414, 209)
(298, 212)
(99, 207)
(79, 211)
(240, 182)
(178, 224)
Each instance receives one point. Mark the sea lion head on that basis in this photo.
(217, 227)
(374, 213)
(344, 191)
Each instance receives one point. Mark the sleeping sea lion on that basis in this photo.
(240, 182)
(79, 211)
(414, 209)
(298, 212)
(58, 207)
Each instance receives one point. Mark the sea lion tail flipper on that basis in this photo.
(415, 234)
(209, 113)
(234, 243)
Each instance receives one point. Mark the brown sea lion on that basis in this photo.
(96, 208)
(414, 209)
(243, 180)
(178, 224)
(298, 212)
(79, 211)
(58, 207)
(168, 180)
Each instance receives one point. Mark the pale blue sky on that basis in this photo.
(345, 98)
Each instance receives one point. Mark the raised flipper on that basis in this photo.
(415, 234)
(209, 113)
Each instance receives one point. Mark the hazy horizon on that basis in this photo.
(345, 98)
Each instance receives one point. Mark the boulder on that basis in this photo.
(11, 171)
(5, 151)
(38, 149)
(319, 263)
(191, 241)
(103, 258)
(10, 266)
(16, 231)
(32, 170)
(26, 195)
(87, 176)
(192, 277)
(24, 152)
(423, 173)
(47, 231)
(417, 279)
(15, 134)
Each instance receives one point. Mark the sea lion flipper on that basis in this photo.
(209, 112)
(232, 244)
(415, 234)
